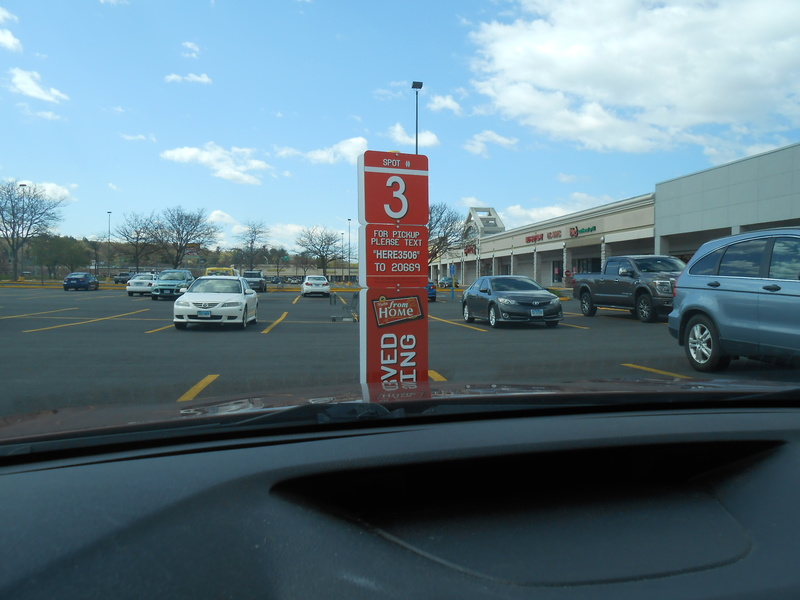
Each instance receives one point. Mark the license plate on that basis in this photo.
(537, 312)
(203, 313)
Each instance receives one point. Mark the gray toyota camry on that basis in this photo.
(511, 299)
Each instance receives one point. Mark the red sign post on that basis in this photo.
(393, 267)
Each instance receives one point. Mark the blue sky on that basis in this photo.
(258, 109)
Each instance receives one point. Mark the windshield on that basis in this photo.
(660, 265)
(392, 180)
(215, 286)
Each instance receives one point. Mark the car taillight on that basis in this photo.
(308, 283)
(674, 289)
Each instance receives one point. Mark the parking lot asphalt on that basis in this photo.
(103, 347)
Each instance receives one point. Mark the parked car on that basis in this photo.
(140, 284)
(170, 282)
(739, 296)
(81, 281)
(431, 291)
(122, 277)
(640, 283)
(315, 284)
(511, 299)
(448, 282)
(219, 299)
(256, 280)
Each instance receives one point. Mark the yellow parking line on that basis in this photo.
(454, 323)
(657, 371)
(562, 324)
(281, 318)
(295, 300)
(197, 388)
(47, 312)
(89, 321)
(435, 376)
(160, 329)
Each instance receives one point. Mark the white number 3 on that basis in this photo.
(399, 194)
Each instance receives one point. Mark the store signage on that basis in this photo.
(393, 269)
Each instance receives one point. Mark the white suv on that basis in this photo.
(315, 284)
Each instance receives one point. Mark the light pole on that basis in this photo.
(108, 247)
(343, 255)
(416, 86)
(348, 251)
(22, 248)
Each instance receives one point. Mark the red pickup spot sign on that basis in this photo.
(393, 269)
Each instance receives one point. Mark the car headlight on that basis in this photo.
(182, 303)
(231, 304)
(507, 301)
(663, 287)
(555, 301)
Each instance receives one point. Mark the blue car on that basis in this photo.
(738, 296)
(431, 291)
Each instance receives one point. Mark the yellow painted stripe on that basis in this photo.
(89, 321)
(197, 388)
(435, 376)
(281, 318)
(454, 323)
(47, 312)
(160, 329)
(295, 300)
(562, 324)
(657, 371)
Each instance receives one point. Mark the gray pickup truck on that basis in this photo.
(642, 284)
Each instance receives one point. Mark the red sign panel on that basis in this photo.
(393, 188)
(394, 338)
(396, 256)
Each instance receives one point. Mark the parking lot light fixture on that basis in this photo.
(416, 86)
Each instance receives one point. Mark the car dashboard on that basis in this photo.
(645, 504)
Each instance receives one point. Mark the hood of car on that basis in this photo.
(210, 298)
(526, 294)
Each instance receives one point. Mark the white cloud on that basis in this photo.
(191, 78)
(192, 50)
(7, 16)
(9, 42)
(641, 75)
(138, 137)
(427, 139)
(113, 187)
(566, 178)
(438, 103)
(470, 201)
(115, 2)
(477, 144)
(233, 165)
(219, 216)
(28, 84)
(39, 114)
(347, 150)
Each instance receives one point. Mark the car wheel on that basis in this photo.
(702, 346)
(130, 293)
(180, 325)
(494, 317)
(587, 306)
(153, 297)
(243, 324)
(467, 316)
(551, 324)
(645, 310)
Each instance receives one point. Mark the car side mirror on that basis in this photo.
(484, 291)
(623, 272)
(183, 290)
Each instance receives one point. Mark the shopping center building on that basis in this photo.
(757, 192)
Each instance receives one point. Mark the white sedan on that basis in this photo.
(140, 284)
(217, 299)
(315, 284)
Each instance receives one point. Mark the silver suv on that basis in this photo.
(170, 283)
(740, 296)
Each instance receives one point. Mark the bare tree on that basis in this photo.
(278, 256)
(304, 260)
(445, 230)
(26, 211)
(254, 238)
(177, 228)
(139, 233)
(322, 244)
